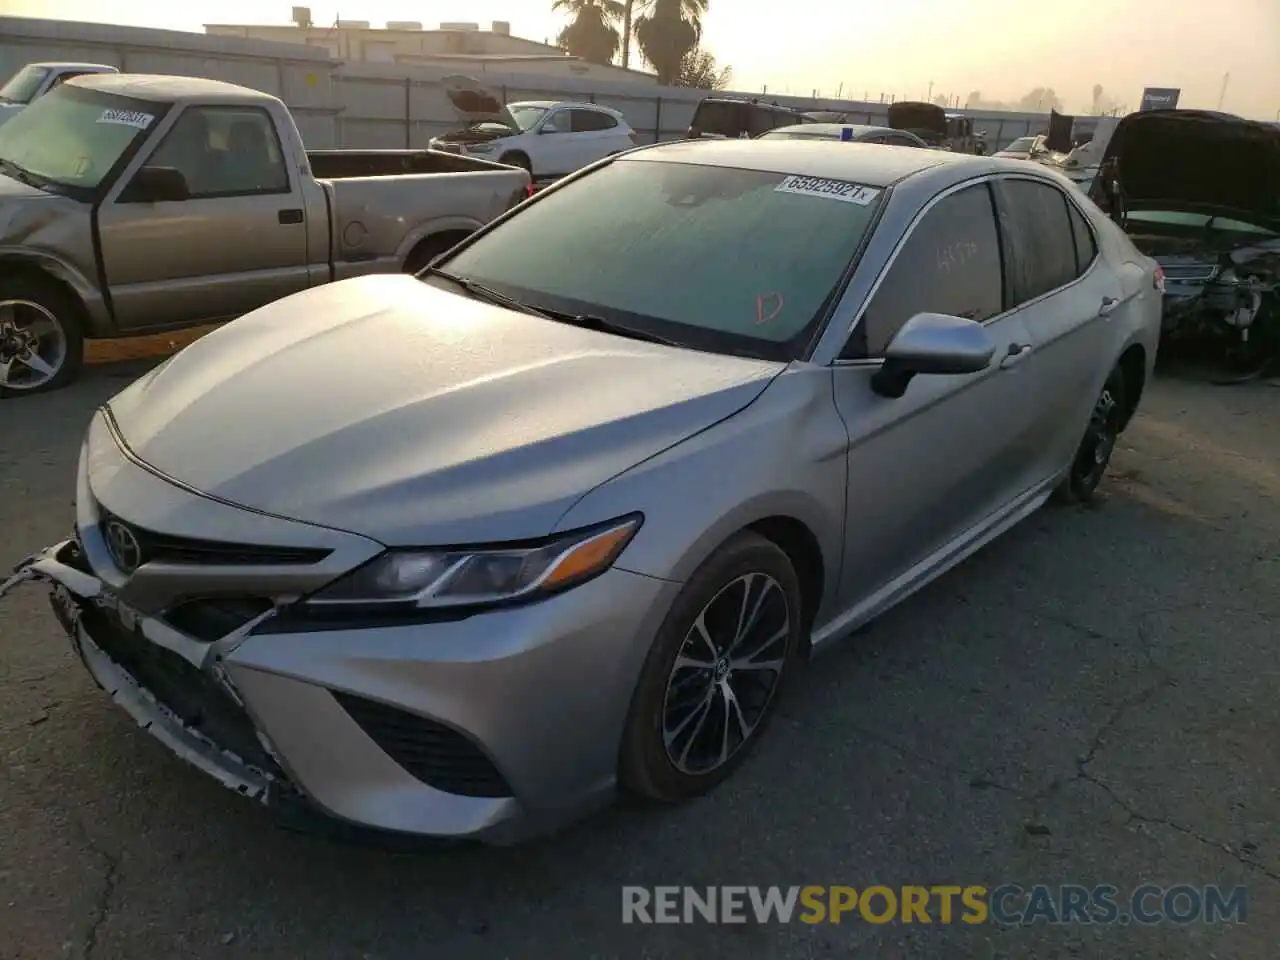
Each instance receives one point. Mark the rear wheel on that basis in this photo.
(1094, 453)
(41, 340)
(710, 683)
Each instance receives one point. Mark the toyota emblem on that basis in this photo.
(123, 546)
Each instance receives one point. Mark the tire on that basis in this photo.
(668, 701)
(1094, 453)
(517, 159)
(430, 248)
(28, 301)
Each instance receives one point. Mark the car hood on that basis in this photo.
(10, 110)
(1195, 161)
(474, 103)
(395, 409)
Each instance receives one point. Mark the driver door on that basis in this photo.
(929, 467)
(238, 242)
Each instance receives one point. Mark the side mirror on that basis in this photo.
(932, 343)
(157, 185)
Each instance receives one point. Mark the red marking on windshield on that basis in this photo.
(768, 306)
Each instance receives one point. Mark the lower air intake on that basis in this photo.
(439, 756)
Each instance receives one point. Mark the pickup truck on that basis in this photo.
(36, 79)
(134, 204)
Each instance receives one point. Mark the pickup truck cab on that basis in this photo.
(36, 79)
(133, 204)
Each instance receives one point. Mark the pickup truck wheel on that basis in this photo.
(41, 342)
(517, 159)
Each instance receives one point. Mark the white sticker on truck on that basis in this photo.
(128, 118)
(830, 189)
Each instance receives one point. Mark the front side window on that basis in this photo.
(1044, 252)
(949, 264)
(23, 85)
(224, 151)
(72, 138)
(716, 258)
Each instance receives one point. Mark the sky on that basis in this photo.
(1003, 48)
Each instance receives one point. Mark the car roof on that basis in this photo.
(575, 104)
(167, 89)
(872, 164)
(833, 130)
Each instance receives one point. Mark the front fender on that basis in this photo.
(782, 456)
(58, 267)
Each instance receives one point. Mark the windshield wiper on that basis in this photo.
(21, 174)
(589, 321)
(481, 292)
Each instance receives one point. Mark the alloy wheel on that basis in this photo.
(725, 674)
(1099, 441)
(33, 345)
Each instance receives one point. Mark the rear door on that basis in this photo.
(1066, 294)
(238, 242)
(929, 466)
(596, 135)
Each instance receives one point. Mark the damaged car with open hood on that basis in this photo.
(1200, 192)
(548, 138)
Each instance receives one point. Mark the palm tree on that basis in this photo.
(591, 33)
(667, 32)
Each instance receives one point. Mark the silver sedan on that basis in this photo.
(463, 555)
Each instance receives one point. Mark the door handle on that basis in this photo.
(1017, 353)
(1108, 306)
(290, 216)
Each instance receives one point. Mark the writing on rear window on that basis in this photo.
(128, 118)
(830, 189)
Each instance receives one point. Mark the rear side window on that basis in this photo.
(718, 117)
(949, 264)
(586, 120)
(1086, 246)
(716, 258)
(1043, 248)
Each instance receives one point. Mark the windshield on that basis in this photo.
(714, 258)
(73, 137)
(22, 86)
(1180, 218)
(525, 116)
(1022, 144)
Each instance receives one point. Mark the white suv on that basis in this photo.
(548, 138)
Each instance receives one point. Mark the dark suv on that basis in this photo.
(717, 117)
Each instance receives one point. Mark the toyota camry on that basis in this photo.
(465, 554)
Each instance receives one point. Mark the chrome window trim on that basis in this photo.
(985, 178)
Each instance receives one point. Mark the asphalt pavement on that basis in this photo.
(1095, 699)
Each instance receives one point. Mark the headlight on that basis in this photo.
(470, 577)
(479, 148)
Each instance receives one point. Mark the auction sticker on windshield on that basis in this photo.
(830, 189)
(129, 118)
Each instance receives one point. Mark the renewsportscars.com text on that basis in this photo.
(1007, 904)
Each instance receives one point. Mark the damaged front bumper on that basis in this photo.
(99, 626)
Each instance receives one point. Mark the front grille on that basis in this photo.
(165, 548)
(214, 618)
(185, 690)
(439, 756)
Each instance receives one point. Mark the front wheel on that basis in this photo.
(1094, 453)
(41, 342)
(710, 683)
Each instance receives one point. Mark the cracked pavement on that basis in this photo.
(1093, 699)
